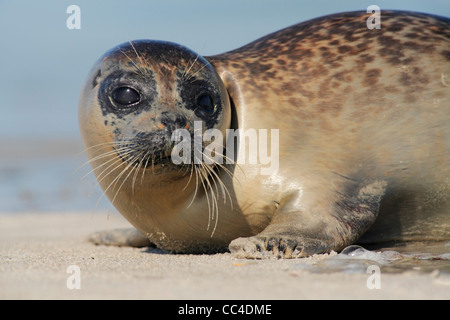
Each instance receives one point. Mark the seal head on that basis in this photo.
(145, 91)
(138, 96)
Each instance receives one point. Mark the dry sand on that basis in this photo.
(36, 250)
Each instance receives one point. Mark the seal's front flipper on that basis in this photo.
(125, 237)
(295, 233)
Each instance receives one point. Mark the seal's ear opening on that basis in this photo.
(234, 124)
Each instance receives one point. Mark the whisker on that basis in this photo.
(223, 187)
(200, 173)
(95, 146)
(196, 185)
(146, 166)
(124, 180)
(194, 74)
(213, 206)
(135, 51)
(85, 151)
(189, 69)
(109, 186)
(139, 167)
(93, 170)
(190, 177)
(134, 63)
(101, 156)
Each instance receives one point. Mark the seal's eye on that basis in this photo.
(126, 96)
(206, 102)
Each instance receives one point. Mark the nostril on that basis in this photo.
(156, 140)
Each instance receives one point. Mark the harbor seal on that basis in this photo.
(364, 137)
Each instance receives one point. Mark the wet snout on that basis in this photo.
(153, 147)
(173, 122)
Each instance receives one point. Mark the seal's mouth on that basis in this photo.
(157, 149)
(143, 157)
(145, 150)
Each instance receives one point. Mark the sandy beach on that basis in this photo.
(37, 250)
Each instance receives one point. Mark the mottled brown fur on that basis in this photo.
(343, 45)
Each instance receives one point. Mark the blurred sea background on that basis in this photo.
(43, 65)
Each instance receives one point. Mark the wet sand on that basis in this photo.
(36, 250)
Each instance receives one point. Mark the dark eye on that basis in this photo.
(206, 102)
(126, 96)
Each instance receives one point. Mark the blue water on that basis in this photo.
(48, 182)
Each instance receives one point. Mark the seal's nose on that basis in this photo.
(149, 148)
(173, 122)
